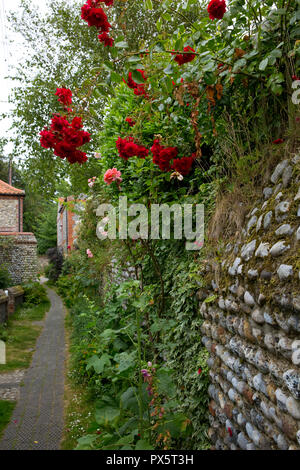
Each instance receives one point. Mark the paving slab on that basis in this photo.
(41, 397)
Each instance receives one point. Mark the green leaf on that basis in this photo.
(149, 4)
(121, 45)
(98, 363)
(263, 65)
(107, 415)
(165, 383)
(125, 361)
(143, 445)
(129, 400)
(137, 77)
(85, 442)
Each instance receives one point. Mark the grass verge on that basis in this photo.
(20, 335)
(6, 410)
(79, 408)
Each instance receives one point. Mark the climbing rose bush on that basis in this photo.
(163, 156)
(216, 9)
(64, 96)
(128, 148)
(185, 58)
(138, 89)
(106, 40)
(66, 138)
(130, 122)
(94, 15)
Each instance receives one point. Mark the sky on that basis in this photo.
(10, 55)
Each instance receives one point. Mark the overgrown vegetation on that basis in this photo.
(22, 330)
(6, 410)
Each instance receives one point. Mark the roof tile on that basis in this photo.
(7, 189)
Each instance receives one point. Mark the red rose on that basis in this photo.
(185, 58)
(77, 123)
(95, 16)
(128, 148)
(183, 165)
(107, 41)
(130, 122)
(58, 123)
(64, 96)
(216, 9)
(139, 89)
(48, 139)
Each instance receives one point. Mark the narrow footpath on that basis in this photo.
(37, 421)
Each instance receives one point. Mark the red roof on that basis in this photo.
(8, 190)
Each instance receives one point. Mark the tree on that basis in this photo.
(59, 47)
(46, 231)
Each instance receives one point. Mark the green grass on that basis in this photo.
(21, 334)
(6, 410)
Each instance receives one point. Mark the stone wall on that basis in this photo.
(252, 324)
(9, 214)
(18, 252)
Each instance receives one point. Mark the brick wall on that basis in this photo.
(252, 324)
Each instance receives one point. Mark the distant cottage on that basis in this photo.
(18, 250)
(68, 219)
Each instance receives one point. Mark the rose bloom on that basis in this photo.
(112, 175)
(89, 253)
(64, 96)
(216, 9)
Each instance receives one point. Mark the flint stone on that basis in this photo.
(281, 211)
(278, 171)
(258, 317)
(266, 275)
(252, 273)
(259, 223)
(296, 303)
(243, 441)
(281, 442)
(285, 271)
(248, 250)
(292, 380)
(279, 248)
(267, 220)
(298, 234)
(296, 358)
(267, 192)
(263, 250)
(297, 197)
(281, 399)
(293, 407)
(251, 223)
(233, 269)
(248, 298)
(285, 229)
(287, 176)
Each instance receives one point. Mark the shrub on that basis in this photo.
(35, 294)
(5, 279)
(55, 266)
